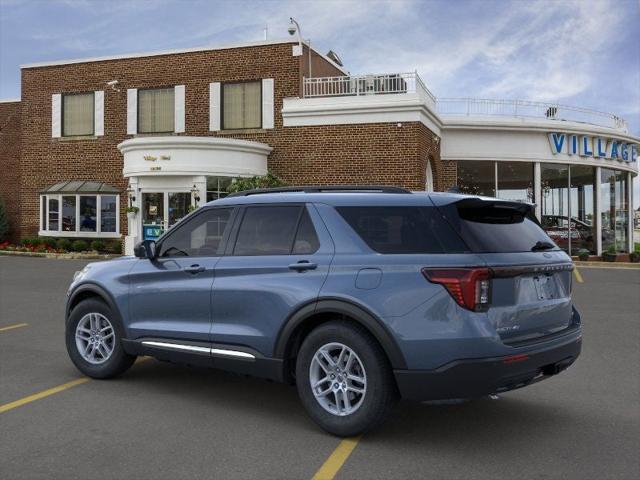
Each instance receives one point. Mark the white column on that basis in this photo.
(134, 225)
(537, 189)
(630, 211)
(598, 213)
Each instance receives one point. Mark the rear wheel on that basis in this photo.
(93, 339)
(344, 379)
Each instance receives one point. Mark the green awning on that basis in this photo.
(81, 186)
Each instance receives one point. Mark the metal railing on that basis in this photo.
(525, 108)
(401, 83)
(356, 85)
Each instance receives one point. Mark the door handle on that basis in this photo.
(302, 266)
(193, 269)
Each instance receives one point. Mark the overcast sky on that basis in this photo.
(583, 52)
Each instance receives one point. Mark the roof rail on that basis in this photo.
(322, 189)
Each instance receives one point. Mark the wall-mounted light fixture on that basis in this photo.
(132, 196)
(196, 194)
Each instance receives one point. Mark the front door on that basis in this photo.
(278, 263)
(170, 296)
(161, 211)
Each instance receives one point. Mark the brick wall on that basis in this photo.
(372, 153)
(10, 161)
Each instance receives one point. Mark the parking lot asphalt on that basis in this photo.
(166, 421)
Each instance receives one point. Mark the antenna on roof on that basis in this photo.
(266, 33)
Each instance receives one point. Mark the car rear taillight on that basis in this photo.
(469, 287)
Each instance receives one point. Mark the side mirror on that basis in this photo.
(145, 249)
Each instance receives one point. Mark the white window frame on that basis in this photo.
(78, 233)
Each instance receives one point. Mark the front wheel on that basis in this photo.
(344, 379)
(93, 339)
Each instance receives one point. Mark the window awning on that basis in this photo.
(81, 186)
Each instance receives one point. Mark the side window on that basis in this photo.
(200, 236)
(267, 230)
(306, 239)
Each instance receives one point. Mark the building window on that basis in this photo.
(515, 181)
(241, 105)
(614, 209)
(217, 187)
(477, 177)
(78, 114)
(80, 215)
(156, 110)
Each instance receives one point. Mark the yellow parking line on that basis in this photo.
(37, 396)
(576, 272)
(51, 391)
(11, 327)
(334, 463)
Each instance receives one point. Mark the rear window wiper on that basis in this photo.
(542, 246)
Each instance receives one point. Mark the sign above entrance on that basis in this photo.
(589, 146)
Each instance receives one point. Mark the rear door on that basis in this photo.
(276, 262)
(531, 285)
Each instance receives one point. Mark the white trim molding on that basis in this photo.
(179, 101)
(214, 107)
(391, 108)
(56, 115)
(132, 111)
(184, 155)
(98, 112)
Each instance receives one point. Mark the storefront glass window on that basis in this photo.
(54, 212)
(69, 213)
(614, 210)
(477, 177)
(108, 213)
(555, 203)
(515, 181)
(88, 213)
(179, 203)
(583, 231)
(217, 187)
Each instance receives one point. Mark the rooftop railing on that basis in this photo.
(357, 85)
(528, 109)
(401, 83)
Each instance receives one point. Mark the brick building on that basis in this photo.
(167, 131)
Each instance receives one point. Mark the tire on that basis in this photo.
(380, 394)
(102, 366)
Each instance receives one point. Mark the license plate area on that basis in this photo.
(546, 288)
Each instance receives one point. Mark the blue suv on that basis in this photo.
(357, 295)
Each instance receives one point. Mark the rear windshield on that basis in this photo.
(497, 227)
(403, 229)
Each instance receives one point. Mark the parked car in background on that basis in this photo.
(357, 295)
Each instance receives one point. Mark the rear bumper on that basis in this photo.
(485, 376)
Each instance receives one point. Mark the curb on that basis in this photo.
(62, 256)
(615, 265)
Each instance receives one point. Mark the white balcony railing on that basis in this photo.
(402, 83)
(357, 85)
(525, 108)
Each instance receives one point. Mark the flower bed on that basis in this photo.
(53, 246)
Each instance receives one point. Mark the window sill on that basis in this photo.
(156, 134)
(78, 138)
(47, 233)
(242, 131)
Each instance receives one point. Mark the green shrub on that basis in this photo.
(115, 247)
(47, 242)
(261, 181)
(583, 255)
(79, 246)
(611, 249)
(98, 245)
(65, 244)
(28, 241)
(4, 222)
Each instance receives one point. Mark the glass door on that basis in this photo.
(555, 203)
(153, 216)
(179, 206)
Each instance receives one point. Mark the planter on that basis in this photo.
(131, 216)
(634, 257)
(609, 257)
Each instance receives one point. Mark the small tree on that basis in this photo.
(261, 181)
(4, 222)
